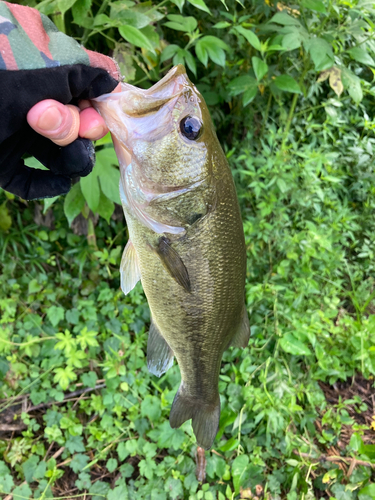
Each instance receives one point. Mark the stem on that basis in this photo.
(87, 30)
(289, 120)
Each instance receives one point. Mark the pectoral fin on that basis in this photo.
(173, 263)
(159, 354)
(129, 268)
(241, 338)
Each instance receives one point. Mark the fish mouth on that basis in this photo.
(141, 102)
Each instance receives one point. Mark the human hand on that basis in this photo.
(55, 76)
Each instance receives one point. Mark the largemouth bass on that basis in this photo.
(186, 241)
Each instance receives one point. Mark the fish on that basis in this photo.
(186, 241)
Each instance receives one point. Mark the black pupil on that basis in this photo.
(191, 127)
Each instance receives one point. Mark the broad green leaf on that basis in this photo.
(55, 314)
(106, 207)
(91, 191)
(290, 344)
(239, 467)
(287, 83)
(240, 84)
(361, 56)
(260, 67)
(29, 467)
(201, 53)
(112, 464)
(120, 492)
(190, 62)
(79, 462)
(150, 407)
(169, 52)
(320, 52)
(179, 3)
(249, 95)
(200, 4)
(250, 37)
(284, 19)
(352, 84)
(73, 203)
(109, 182)
(367, 492)
(316, 5)
(213, 47)
(135, 37)
(181, 23)
(22, 492)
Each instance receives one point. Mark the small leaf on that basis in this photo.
(201, 53)
(287, 83)
(74, 202)
(47, 203)
(222, 25)
(169, 52)
(199, 4)
(135, 37)
(361, 56)
(55, 314)
(316, 5)
(112, 465)
(290, 344)
(352, 84)
(250, 37)
(239, 468)
(179, 3)
(260, 68)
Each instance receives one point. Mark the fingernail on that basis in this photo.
(51, 119)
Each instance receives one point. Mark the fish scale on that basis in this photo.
(186, 238)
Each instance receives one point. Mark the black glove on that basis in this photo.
(21, 88)
(19, 91)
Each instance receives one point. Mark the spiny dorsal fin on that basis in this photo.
(129, 268)
(173, 263)
(159, 354)
(241, 338)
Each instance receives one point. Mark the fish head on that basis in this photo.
(166, 130)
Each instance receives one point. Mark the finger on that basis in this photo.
(55, 121)
(32, 184)
(92, 125)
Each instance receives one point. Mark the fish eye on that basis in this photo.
(191, 127)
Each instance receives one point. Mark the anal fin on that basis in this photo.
(173, 263)
(205, 417)
(159, 354)
(129, 268)
(241, 338)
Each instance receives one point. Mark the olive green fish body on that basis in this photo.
(187, 244)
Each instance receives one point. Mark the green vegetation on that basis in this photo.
(291, 92)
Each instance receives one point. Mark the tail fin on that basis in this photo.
(205, 417)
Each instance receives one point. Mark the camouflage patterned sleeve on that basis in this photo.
(38, 62)
(29, 40)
